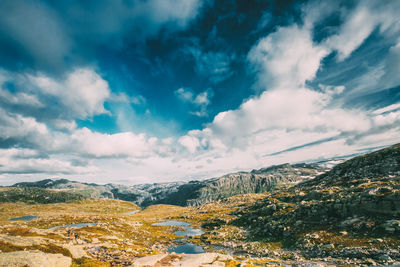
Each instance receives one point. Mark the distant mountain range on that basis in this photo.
(189, 193)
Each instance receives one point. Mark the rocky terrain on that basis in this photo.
(348, 216)
(188, 193)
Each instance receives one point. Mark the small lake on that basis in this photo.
(75, 225)
(189, 231)
(130, 212)
(23, 218)
(185, 247)
(171, 223)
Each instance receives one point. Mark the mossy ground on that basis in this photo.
(115, 233)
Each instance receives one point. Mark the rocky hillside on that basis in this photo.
(384, 162)
(347, 212)
(189, 193)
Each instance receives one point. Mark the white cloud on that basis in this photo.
(191, 143)
(200, 101)
(125, 144)
(353, 32)
(184, 94)
(332, 90)
(286, 57)
(390, 108)
(17, 127)
(162, 11)
(124, 98)
(59, 124)
(297, 114)
(365, 18)
(83, 91)
(20, 98)
(49, 166)
(391, 77)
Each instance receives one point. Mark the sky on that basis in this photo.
(134, 91)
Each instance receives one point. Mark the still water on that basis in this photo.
(186, 247)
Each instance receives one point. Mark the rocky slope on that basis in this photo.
(352, 211)
(381, 163)
(189, 193)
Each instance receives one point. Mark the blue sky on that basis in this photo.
(133, 91)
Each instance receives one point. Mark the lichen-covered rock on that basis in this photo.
(33, 259)
(77, 251)
(25, 241)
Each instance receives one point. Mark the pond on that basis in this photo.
(189, 231)
(23, 218)
(75, 225)
(185, 247)
(130, 212)
(171, 223)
